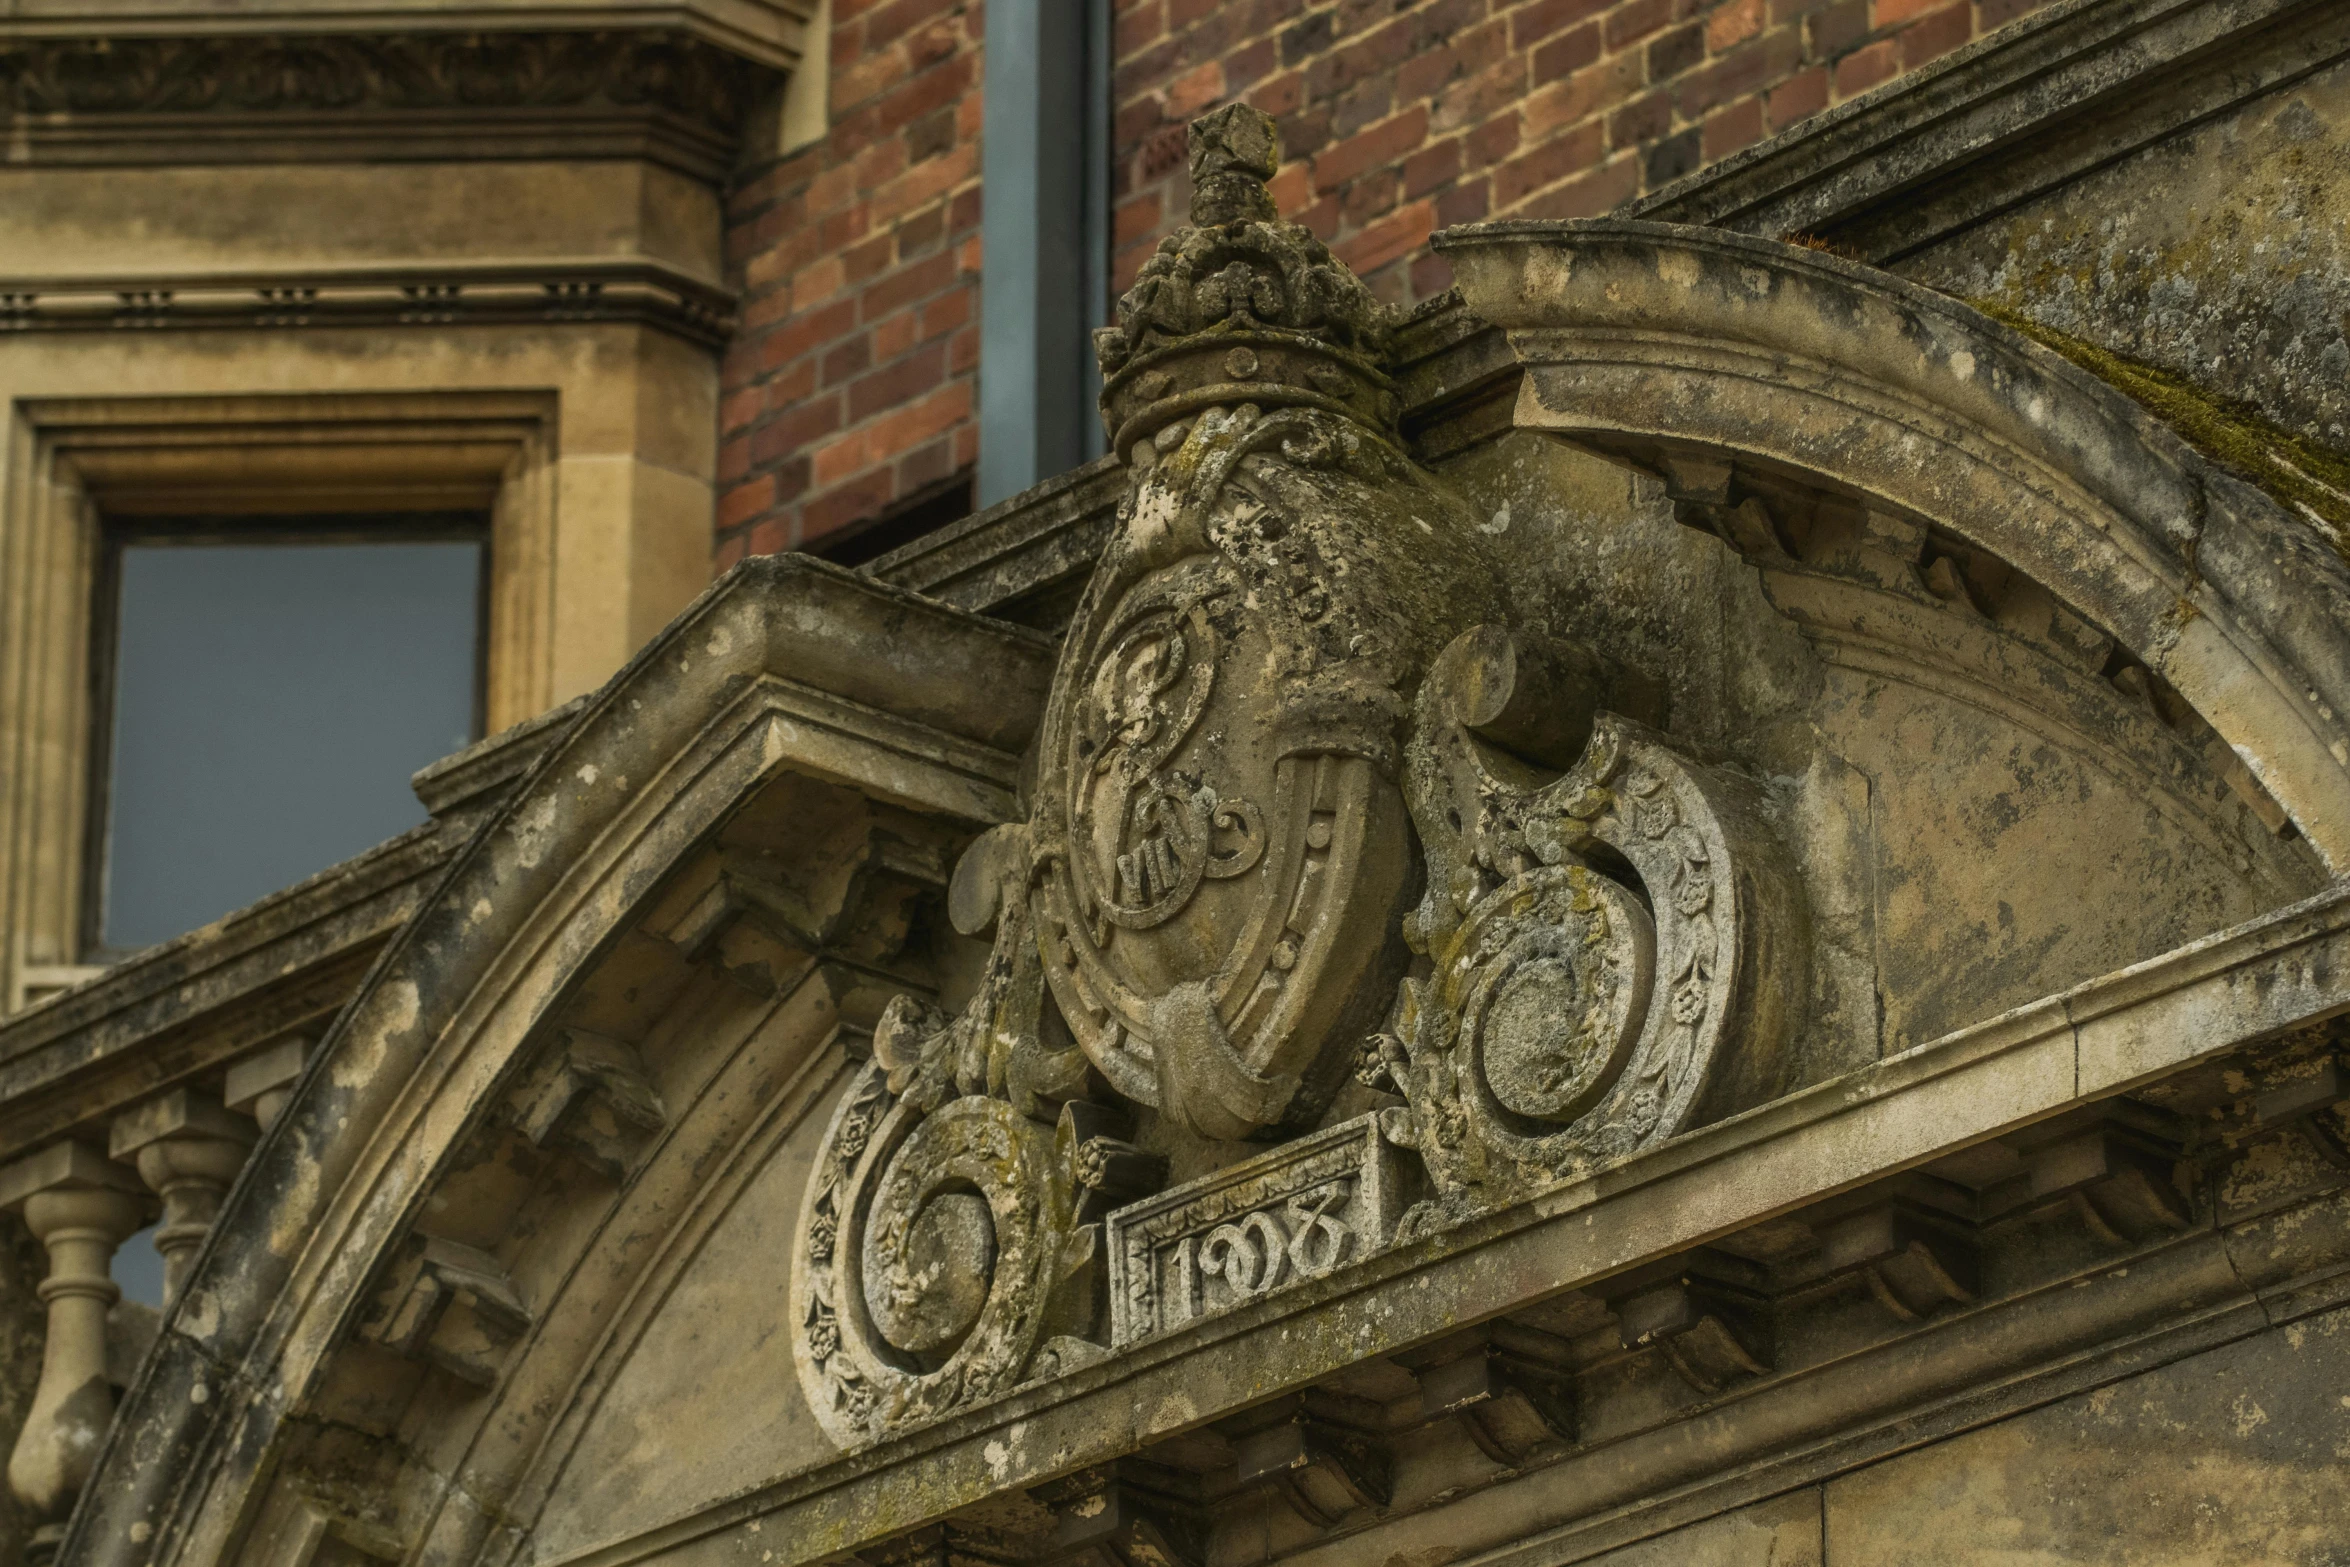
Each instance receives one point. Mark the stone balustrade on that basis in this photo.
(174, 1154)
(80, 1205)
(187, 1148)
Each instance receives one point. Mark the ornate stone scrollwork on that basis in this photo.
(938, 1253)
(941, 1243)
(1606, 946)
(1270, 688)
(1198, 918)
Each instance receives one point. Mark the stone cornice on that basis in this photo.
(2005, 119)
(202, 999)
(291, 959)
(451, 294)
(1046, 536)
(101, 97)
(696, 147)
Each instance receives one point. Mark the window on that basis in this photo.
(264, 690)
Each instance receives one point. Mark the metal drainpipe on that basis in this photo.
(1044, 285)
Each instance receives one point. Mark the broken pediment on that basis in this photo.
(1450, 981)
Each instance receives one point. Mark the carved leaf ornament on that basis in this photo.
(1269, 692)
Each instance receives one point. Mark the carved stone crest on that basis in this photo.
(1268, 733)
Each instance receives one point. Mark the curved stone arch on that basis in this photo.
(787, 666)
(1651, 340)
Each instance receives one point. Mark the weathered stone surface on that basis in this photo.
(1784, 1532)
(1876, 354)
(694, 1365)
(2215, 254)
(1702, 967)
(2233, 1455)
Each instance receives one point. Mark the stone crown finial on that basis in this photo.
(1234, 151)
(1239, 306)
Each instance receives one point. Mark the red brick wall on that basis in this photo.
(1401, 118)
(1404, 118)
(852, 384)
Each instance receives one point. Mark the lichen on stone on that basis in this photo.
(2308, 480)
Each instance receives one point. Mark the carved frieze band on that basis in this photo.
(443, 296)
(421, 72)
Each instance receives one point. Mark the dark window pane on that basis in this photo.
(138, 1269)
(270, 701)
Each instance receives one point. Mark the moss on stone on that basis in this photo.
(2309, 480)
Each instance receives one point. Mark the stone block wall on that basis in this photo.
(852, 387)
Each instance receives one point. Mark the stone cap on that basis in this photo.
(1239, 306)
(64, 1165)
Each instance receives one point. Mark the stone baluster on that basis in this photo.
(81, 1205)
(262, 1084)
(188, 1148)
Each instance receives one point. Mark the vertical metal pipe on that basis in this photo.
(1044, 229)
(1100, 88)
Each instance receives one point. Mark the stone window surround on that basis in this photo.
(74, 459)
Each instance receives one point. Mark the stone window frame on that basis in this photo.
(71, 460)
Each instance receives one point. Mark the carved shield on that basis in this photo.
(1222, 852)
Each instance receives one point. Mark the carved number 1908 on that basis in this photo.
(1256, 1253)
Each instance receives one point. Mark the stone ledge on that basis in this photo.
(275, 85)
(201, 999)
(560, 291)
(1046, 537)
(482, 771)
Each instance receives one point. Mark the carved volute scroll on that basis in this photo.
(1607, 947)
(1257, 751)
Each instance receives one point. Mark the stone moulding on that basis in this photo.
(455, 295)
(285, 54)
(2124, 1029)
(1845, 377)
(262, 85)
(1042, 540)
